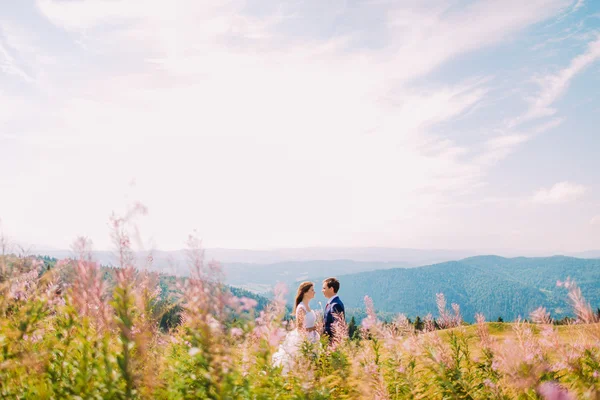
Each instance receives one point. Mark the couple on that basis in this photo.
(306, 320)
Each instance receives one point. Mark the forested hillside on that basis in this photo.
(494, 286)
(169, 286)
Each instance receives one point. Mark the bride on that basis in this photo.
(305, 328)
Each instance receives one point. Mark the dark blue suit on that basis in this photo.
(335, 307)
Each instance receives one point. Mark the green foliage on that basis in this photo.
(51, 348)
(353, 329)
(419, 325)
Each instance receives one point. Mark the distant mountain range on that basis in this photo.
(414, 257)
(259, 270)
(492, 285)
(300, 261)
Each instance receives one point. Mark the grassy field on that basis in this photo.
(505, 334)
(68, 331)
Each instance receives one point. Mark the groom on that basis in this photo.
(331, 286)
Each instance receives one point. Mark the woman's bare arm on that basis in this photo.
(300, 315)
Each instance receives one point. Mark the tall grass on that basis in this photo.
(65, 333)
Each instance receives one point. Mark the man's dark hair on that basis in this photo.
(332, 283)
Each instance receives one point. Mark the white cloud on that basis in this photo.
(578, 5)
(595, 220)
(10, 66)
(250, 127)
(554, 85)
(561, 192)
(500, 146)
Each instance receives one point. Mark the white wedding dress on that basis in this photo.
(291, 344)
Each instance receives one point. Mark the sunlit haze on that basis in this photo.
(265, 124)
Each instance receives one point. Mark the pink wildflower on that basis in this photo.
(541, 316)
(402, 326)
(447, 320)
(552, 391)
(482, 331)
(489, 384)
(276, 336)
(339, 331)
(582, 308)
(428, 323)
(248, 304)
(370, 323)
(236, 332)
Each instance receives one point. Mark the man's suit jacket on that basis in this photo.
(335, 307)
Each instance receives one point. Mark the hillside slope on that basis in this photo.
(494, 286)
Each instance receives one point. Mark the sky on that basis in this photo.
(439, 124)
